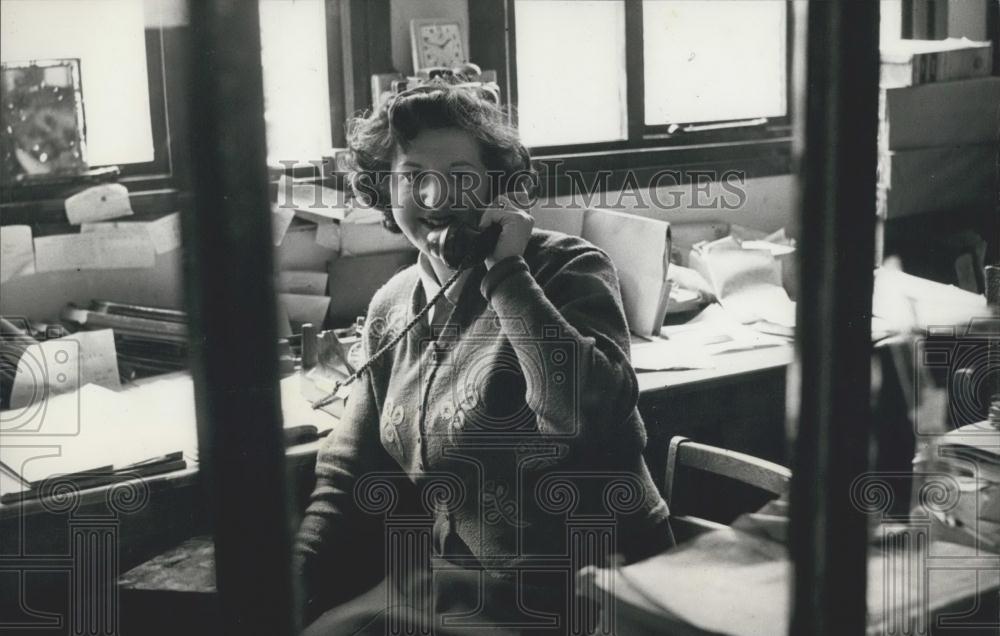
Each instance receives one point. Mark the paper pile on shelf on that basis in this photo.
(339, 225)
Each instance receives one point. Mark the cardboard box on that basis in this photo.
(942, 114)
(941, 178)
(355, 279)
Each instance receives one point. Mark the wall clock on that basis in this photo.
(436, 43)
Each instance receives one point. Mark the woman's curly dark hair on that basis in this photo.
(374, 138)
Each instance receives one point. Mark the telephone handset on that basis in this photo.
(459, 245)
(462, 246)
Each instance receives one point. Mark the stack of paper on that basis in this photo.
(746, 276)
(339, 225)
(89, 437)
(303, 297)
(63, 365)
(913, 62)
(909, 304)
(695, 344)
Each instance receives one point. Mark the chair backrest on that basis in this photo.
(747, 469)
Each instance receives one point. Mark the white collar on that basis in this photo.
(428, 278)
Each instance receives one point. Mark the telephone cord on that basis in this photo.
(339, 384)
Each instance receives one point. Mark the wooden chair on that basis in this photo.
(747, 469)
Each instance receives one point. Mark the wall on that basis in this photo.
(967, 18)
(402, 11)
(767, 203)
(42, 296)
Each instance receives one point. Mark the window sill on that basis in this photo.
(563, 173)
(48, 207)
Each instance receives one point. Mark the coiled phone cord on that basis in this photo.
(339, 384)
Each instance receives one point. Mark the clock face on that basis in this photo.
(440, 45)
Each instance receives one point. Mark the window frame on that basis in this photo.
(154, 185)
(358, 45)
(756, 150)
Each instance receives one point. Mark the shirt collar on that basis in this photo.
(428, 278)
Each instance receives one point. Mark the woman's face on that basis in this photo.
(439, 178)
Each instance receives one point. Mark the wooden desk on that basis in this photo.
(741, 400)
(739, 404)
(733, 582)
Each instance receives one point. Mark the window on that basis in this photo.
(296, 89)
(644, 84)
(113, 69)
(578, 94)
(713, 61)
(722, 62)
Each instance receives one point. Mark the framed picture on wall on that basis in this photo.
(436, 42)
(42, 133)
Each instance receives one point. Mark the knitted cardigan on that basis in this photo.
(493, 438)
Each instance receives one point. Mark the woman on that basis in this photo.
(500, 433)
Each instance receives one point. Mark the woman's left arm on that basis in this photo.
(577, 316)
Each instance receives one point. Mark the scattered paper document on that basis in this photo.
(98, 203)
(115, 249)
(909, 303)
(312, 201)
(123, 227)
(112, 435)
(65, 364)
(280, 220)
(747, 278)
(776, 249)
(303, 308)
(165, 233)
(660, 354)
(17, 252)
(328, 236)
(768, 303)
(717, 331)
(300, 282)
(296, 405)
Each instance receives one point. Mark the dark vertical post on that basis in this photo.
(366, 49)
(231, 299)
(636, 65)
(828, 534)
(335, 75)
(993, 31)
(493, 44)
